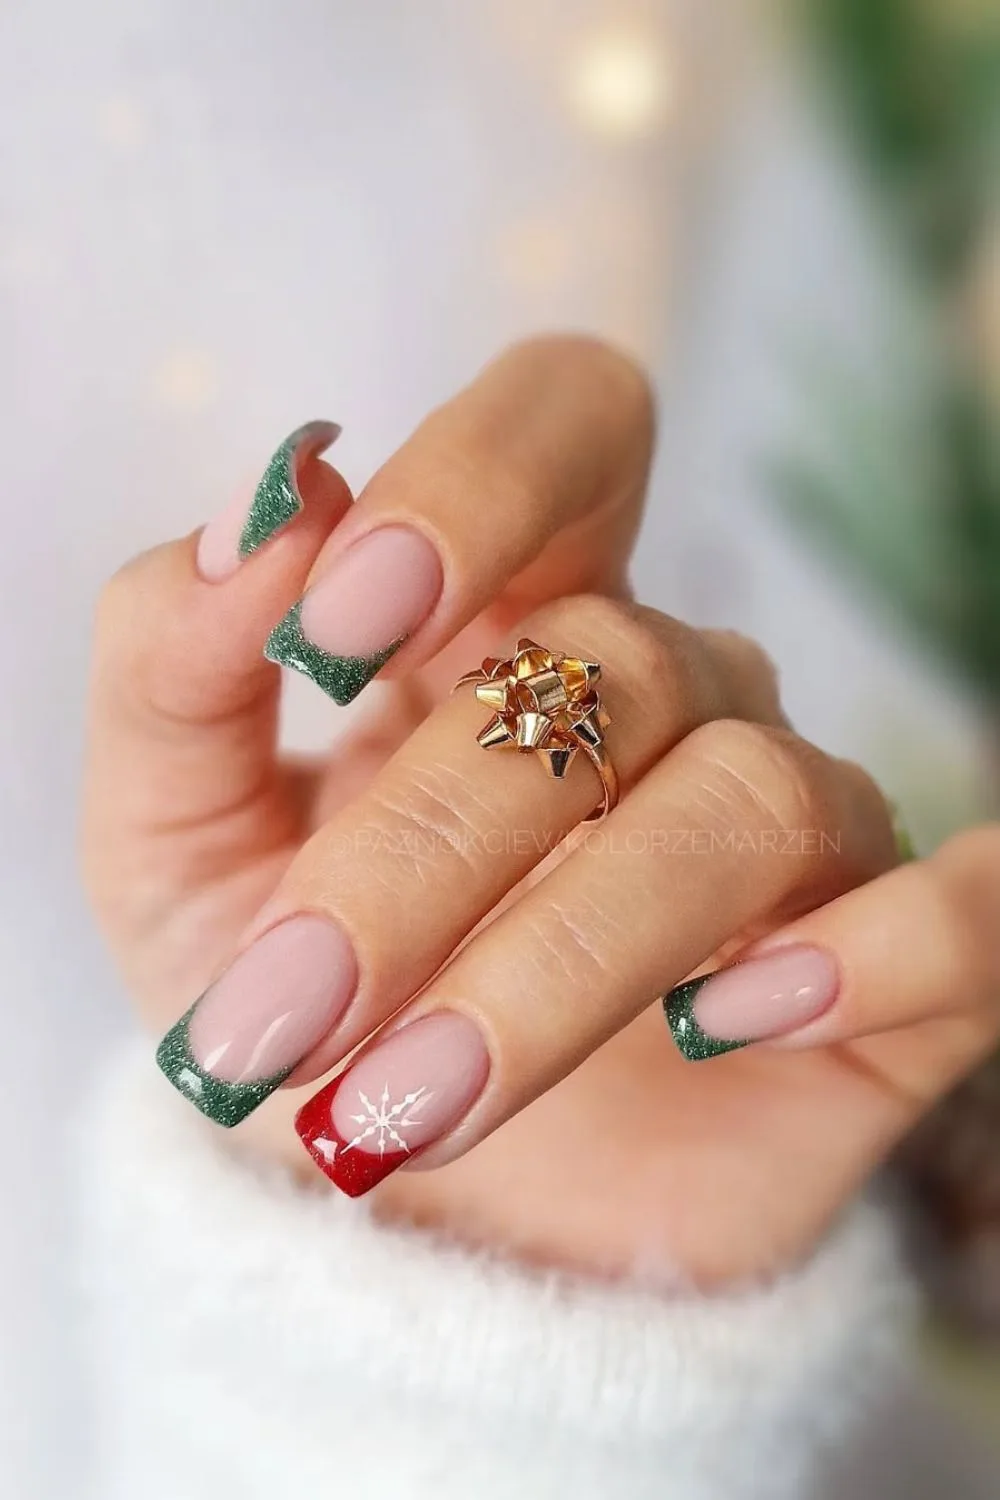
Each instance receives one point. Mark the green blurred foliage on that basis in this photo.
(918, 84)
(910, 500)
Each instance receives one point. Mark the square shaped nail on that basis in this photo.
(276, 1002)
(765, 995)
(398, 1098)
(359, 612)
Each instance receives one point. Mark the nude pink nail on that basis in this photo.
(276, 1001)
(760, 997)
(353, 618)
(398, 1098)
(382, 588)
(218, 545)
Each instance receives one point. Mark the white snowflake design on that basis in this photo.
(384, 1121)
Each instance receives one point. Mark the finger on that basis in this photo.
(437, 839)
(904, 977)
(917, 951)
(528, 484)
(737, 823)
(181, 770)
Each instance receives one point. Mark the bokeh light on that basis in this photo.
(620, 82)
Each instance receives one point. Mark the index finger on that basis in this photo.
(528, 484)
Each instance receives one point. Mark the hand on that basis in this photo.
(349, 887)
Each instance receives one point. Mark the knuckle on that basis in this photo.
(761, 774)
(612, 631)
(628, 640)
(153, 655)
(601, 379)
(650, 659)
(625, 380)
(751, 678)
(869, 797)
(572, 943)
(603, 386)
(590, 357)
(123, 609)
(117, 599)
(965, 873)
(975, 849)
(434, 811)
(750, 655)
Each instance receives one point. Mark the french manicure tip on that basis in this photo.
(693, 1043)
(277, 498)
(342, 678)
(355, 1172)
(224, 1103)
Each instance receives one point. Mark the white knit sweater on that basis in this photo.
(256, 1339)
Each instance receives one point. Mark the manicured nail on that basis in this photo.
(238, 531)
(751, 1001)
(270, 1008)
(396, 1100)
(358, 614)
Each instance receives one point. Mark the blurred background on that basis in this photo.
(218, 220)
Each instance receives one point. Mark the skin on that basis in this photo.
(597, 1146)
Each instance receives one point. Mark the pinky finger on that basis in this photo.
(907, 968)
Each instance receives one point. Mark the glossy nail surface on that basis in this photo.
(241, 529)
(762, 997)
(398, 1098)
(359, 613)
(276, 1001)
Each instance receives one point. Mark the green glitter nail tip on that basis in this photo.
(341, 677)
(225, 1103)
(692, 1042)
(277, 499)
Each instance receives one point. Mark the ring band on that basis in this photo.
(546, 702)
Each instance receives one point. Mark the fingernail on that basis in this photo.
(751, 1001)
(397, 1099)
(239, 531)
(346, 627)
(270, 1008)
